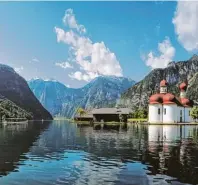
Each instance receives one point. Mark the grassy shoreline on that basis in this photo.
(137, 120)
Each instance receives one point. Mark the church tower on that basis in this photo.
(163, 87)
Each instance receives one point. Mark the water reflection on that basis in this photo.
(173, 150)
(15, 141)
(62, 153)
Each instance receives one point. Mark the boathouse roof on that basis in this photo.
(111, 111)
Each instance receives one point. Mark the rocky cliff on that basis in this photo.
(14, 88)
(137, 96)
(60, 100)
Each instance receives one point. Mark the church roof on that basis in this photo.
(169, 98)
(183, 86)
(156, 98)
(163, 83)
(186, 102)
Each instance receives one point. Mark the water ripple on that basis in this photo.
(61, 153)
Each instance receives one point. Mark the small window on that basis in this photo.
(180, 112)
(158, 111)
(189, 112)
(165, 111)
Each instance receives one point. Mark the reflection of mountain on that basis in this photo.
(15, 141)
(65, 153)
(105, 144)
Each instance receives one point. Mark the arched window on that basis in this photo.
(159, 111)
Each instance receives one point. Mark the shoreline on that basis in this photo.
(130, 121)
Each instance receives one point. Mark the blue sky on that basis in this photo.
(48, 39)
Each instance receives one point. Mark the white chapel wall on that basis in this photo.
(187, 114)
(154, 117)
(170, 113)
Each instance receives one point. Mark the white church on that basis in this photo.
(165, 107)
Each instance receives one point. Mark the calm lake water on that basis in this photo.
(60, 153)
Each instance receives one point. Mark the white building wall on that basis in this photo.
(154, 117)
(179, 109)
(171, 113)
(187, 114)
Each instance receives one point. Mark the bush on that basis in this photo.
(194, 113)
(139, 113)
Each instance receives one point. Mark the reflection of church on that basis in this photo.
(165, 107)
(167, 133)
(173, 151)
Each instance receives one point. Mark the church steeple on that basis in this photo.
(183, 87)
(163, 87)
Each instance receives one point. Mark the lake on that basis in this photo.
(58, 152)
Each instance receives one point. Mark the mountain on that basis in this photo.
(8, 109)
(15, 89)
(53, 95)
(193, 88)
(103, 91)
(176, 72)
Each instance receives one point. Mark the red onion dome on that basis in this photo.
(156, 98)
(163, 83)
(186, 102)
(168, 98)
(183, 86)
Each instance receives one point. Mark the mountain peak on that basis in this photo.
(194, 57)
(45, 80)
(6, 67)
(111, 77)
(103, 91)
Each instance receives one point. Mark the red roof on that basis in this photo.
(163, 99)
(163, 83)
(183, 86)
(169, 98)
(156, 98)
(186, 102)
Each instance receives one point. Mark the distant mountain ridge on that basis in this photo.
(60, 100)
(137, 96)
(15, 92)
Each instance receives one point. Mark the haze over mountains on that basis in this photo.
(17, 99)
(60, 100)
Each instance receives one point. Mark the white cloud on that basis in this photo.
(186, 24)
(83, 77)
(19, 69)
(93, 59)
(70, 20)
(167, 52)
(64, 65)
(34, 60)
